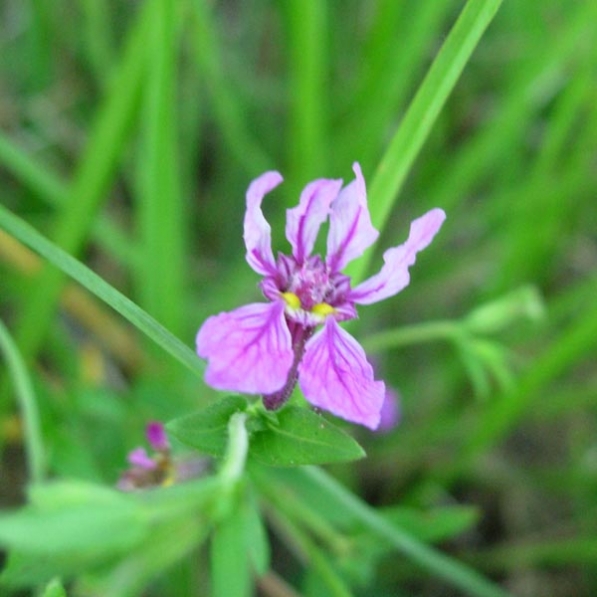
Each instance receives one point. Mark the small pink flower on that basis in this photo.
(265, 348)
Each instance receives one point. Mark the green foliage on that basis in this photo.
(207, 430)
(129, 134)
(291, 437)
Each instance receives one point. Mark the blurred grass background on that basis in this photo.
(129, 133)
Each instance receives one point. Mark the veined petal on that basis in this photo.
(257, 232)
(303, 222)
(394, 275)
(351, 231)
(248, 350)
(334, 375)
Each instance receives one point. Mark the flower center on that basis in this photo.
(309, 291)
(311, 284)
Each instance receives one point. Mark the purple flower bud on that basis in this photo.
(156, 436)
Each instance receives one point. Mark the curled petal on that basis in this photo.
(334, 375)
(257, 232)
(303, 222)
(351, 231)
(394, 275)
(248, 350)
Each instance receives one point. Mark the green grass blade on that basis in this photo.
(97, 23)
(395, 54)
(229, 110)
(84, 276)
(453, 572)
(423, 111)
(160, 208)
(46, 186)
(97, 167)
(28, 404)
(51, 190)
(307, 48)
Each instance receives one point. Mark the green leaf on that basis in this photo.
(207, 430)
(298, 436)
(229, 556)
(90, 528)
(256, 540)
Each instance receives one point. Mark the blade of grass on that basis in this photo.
(160, 210)
(87, 278)
(229, 111)
(98, 42)
(51, 190)
(337, 497)
(92, 178)
(397, 50)
(306, 31)
(423, 111)
(28, 405)
(532, 82)
(40, 63)
(314, 557)
(113, 336)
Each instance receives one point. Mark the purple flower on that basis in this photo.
(265, 348)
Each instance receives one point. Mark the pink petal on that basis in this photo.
(248, 350)
(351, 231)
(394, 275)
(334, 375)
(303, 222)
(257, 233)
(138, 457)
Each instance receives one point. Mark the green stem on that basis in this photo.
(236, 453)
(414, 334)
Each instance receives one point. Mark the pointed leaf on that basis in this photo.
(207, 430)
(299, 437)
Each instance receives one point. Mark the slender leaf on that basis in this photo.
(424, 110)
(95, 171)
(84, 276)
(297, 436)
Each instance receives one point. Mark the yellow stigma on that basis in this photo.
(323, 309)
(293, 301)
